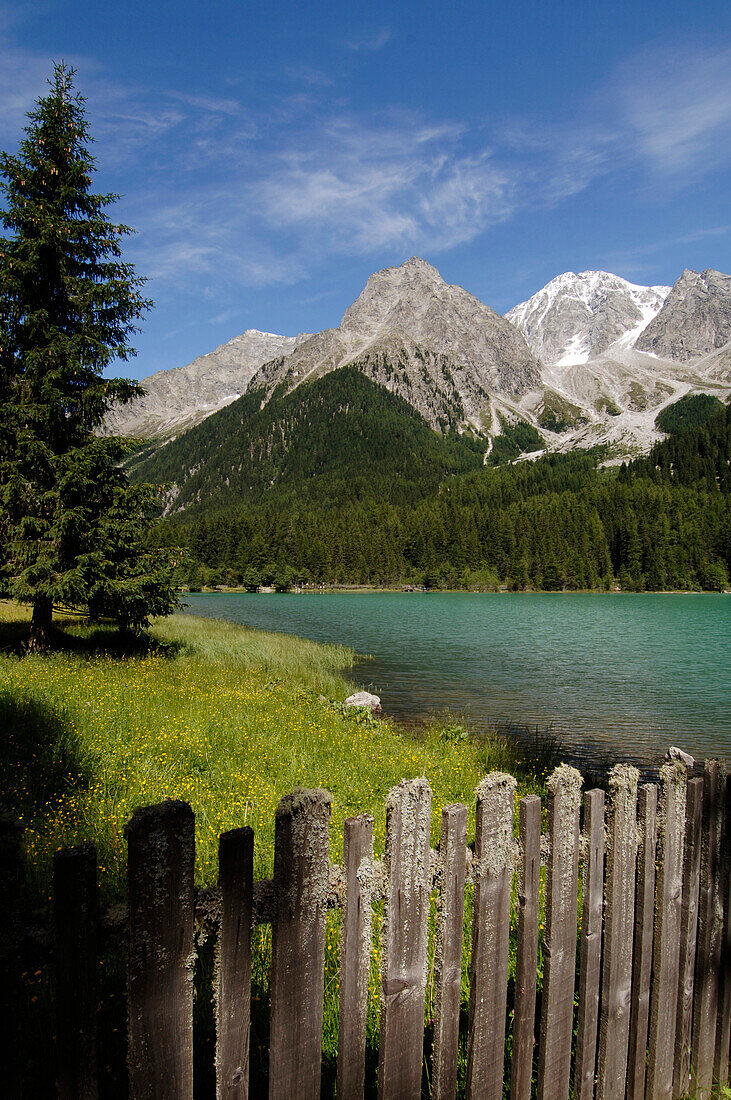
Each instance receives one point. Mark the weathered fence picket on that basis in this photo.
(355, 954)
(619, 919)
(161, 853)
(77, 998)
(404, 940)
(666, 963)
(710, 933)
(448, 937)
(301, 881)
(492, 873)
(12, 876)
(643, 941)
(688, 933)
(723, 1027)
(559, 944)
(526, 947)
(233, 963)
(591, 946)
(656, 918)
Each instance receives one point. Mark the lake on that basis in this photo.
(614, 677)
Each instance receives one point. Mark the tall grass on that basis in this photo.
(229, 719)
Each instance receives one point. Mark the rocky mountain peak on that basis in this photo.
(695, 318)
(576, 317)
(403, 318)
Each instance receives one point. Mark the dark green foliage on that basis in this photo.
(338, 439)
(695, 456)
(557, 523)
(690, 411)
(514, 440)
(70, 525)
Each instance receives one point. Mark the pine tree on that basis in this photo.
(71, 525)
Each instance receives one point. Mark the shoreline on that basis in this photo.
(365, 589)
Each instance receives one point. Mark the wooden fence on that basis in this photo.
(634, 1000)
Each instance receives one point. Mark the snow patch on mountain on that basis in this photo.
(574, 318)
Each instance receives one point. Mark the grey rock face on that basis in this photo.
(177, 399)
(694, 320)
(575, 318)
(436, 345)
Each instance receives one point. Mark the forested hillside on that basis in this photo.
(560, 522)
(338, 439)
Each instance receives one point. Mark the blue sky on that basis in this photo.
(272, 155)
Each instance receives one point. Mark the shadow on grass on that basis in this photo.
(76, 634)
(37, 758)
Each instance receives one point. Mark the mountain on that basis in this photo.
(179, 398)
(339, 438)
(695, 318)
(570, 368)
(575, 318)
(436, 345)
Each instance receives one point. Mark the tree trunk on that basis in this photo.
(41, 625)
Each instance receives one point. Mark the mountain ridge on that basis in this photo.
(460, 364)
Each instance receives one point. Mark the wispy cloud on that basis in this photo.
(676, 104)
(369, 41)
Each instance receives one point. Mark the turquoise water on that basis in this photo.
(615, 677)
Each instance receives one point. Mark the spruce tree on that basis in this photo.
(71, 526)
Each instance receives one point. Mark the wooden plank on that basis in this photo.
(559, 944)
(688, 932)
(233, 963)
(161, 846)
(301, 882)
(710, 933)
(12, 876)
(666, 950)
(404, 940)
(355, 954)
(77, 994)
(449, 934)
(492, 873)
(619, 923)
(723, 1027)
(526, 948)
(643, 941)
(590, 967)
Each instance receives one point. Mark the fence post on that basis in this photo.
(559, 952)
(619, 922)
(404, 940)
(591, 945)
(301, 881)
(665, 963)
(233, 963)
(355, 954)
(161, 842)
(643, 941)
(723, 1028)
(449, 936)
(688, 932)
(75, 920)
(12, 876)
(526, 948)
(710, 932)
(492, 872)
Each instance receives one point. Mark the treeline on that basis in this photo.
(663, 522)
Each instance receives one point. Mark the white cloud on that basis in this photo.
(366, 186)
(677, 107)
(369, 41)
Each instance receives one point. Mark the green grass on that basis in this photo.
(229, 719)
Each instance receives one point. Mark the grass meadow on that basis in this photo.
(229, 719)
